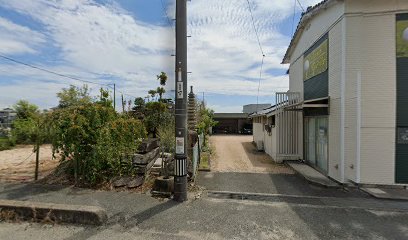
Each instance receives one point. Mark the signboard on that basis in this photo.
(180, 90)
(179, 145)
(402, 38)
(315, 62)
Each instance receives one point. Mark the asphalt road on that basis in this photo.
(138, 216)
(270, 205)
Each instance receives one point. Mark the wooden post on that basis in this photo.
(37, 152)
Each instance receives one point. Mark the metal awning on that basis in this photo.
(312, 103)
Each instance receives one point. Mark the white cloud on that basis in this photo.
(98, 40)
(16, 39)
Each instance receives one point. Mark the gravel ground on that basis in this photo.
(236, 153)
(18, 164)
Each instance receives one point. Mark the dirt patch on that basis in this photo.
(236, 153)
(18, 164)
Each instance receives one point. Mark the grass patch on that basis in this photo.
(6, 144)
(205, 160)
(206, 154)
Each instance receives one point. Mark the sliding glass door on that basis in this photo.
(316, 141)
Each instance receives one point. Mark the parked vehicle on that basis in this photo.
(247, 129)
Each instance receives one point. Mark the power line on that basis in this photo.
(60, 74)
(259, 83)
(256, 31)
(262, 52)
(49, 71)
(303, 9)
(293, 18)
(167, 15)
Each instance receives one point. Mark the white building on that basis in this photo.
(346, 111)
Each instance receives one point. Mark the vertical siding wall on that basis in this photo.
(353, 65)
(371, 53)
(335, 75)
(378, 100)
(268, 139)
(258, 132)
(361, 50)
(325, 21)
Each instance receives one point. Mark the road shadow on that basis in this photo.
(126, 223)
(26, 191)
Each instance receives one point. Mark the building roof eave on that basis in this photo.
(306, 17)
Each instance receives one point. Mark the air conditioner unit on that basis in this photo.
(260, 146)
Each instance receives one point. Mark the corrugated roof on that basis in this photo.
(311, 11)
(263, 112)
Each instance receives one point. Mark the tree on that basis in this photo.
(30, 125)
(160, 91)
(156, 114)
(139, 108)
(104, 98)
(95, 141)
(162, 78)
(152, 93)
(74, 96)
(205, 121)
(26, 110)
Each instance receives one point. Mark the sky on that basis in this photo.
(129, 42)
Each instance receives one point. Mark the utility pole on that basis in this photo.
(203, 99)
(123, 105)
(114, 96)
(37, 151)
(180, 168)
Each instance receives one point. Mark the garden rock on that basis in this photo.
(121, 181)
(147, 145)
(136, 182)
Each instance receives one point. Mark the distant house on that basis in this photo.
(346, 111)
(7, 116)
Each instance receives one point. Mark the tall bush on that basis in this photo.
(94, 139)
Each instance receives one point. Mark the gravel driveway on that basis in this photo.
(236, 153)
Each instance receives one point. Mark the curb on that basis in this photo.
(384, 196)
(50, 212)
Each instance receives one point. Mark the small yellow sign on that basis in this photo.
(315, 62)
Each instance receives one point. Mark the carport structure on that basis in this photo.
(230, 123)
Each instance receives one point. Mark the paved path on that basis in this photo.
(289, 184)
(236, 153)
(138, 216)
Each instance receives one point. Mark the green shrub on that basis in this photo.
(95, 139)
(117, 141)
(24, 131)
(166, 133)
(6, 144)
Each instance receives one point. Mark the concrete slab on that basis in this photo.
(289, 184)
(312, 175)
(387, 193)
(51, 212)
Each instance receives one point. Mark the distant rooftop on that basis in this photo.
(230, 115)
